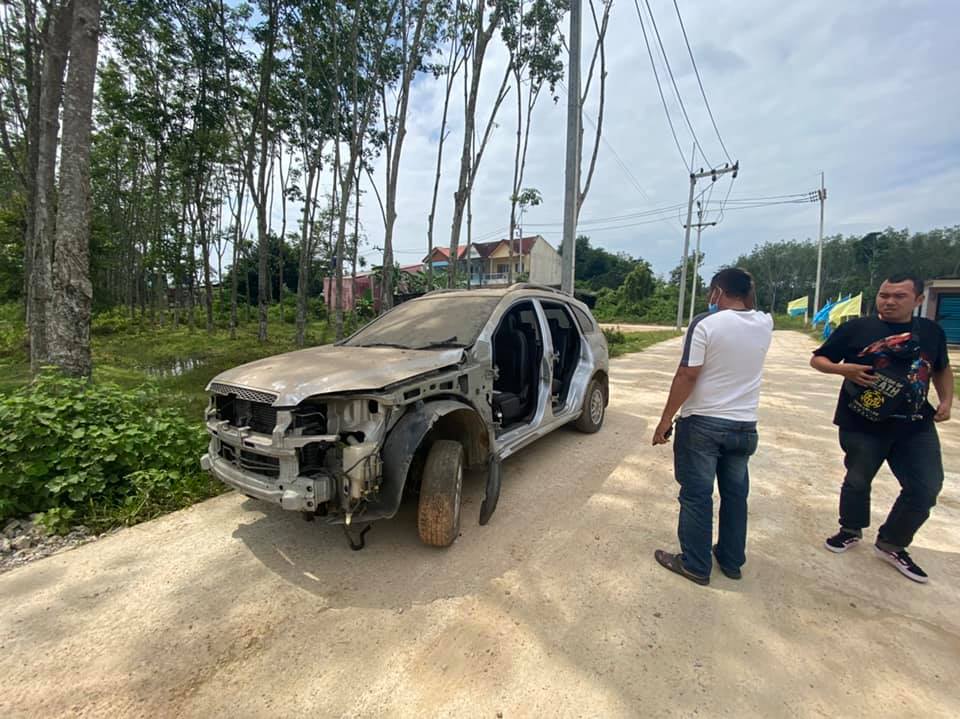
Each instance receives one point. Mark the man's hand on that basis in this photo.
(943, 412)
(860, 374)
(660, 433)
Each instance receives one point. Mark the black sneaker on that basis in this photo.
(728, 572)
(842, 541)
(904, 564)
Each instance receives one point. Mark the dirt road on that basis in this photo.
(556, 608)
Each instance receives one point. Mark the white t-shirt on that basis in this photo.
(730, 345)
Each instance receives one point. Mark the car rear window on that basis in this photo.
(442, 321)
(585, 321)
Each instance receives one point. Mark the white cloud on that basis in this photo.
(864, 91)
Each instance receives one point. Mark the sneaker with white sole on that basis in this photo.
(904, 564)
(842, 541)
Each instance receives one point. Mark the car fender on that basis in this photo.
(406, 437)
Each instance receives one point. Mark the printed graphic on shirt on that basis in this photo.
(903, 377)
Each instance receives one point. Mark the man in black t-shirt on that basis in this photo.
(887, 363)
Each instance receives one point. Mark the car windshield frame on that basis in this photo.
(429, 323)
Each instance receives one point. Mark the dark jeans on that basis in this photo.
(914, 458)
(706, 447)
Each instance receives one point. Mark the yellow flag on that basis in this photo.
(847, 308)
(797, 306)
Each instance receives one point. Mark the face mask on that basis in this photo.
(713, 307)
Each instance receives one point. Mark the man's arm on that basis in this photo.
(943, 381)
(860, 374)
(683, 383)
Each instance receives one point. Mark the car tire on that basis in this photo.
(594, 409)
(438, 512)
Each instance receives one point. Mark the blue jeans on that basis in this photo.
(915, 460)
(707, 447)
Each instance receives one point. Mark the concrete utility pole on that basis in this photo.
(713, 174)
(569, 246)
(822, 194)
(696, 259)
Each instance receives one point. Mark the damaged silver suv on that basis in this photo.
(446, 381)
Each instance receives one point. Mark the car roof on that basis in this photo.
(522, 289)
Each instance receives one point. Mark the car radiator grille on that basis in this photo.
(238, 412)
(251, 461)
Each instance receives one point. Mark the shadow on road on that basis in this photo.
(544, 485)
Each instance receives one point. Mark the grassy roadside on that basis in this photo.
(622, 343)
(124, 448)
(179, 362)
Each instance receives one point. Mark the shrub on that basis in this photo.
(786, 322)
(97, 454)
(113, 321)
(614, 337)
(13, 331)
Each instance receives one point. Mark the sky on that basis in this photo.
(864, 91)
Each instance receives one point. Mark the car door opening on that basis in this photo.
(517, 352)
(566, 347)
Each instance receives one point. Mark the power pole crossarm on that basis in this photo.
(713, 174)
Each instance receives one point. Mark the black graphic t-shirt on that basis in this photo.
(882, 345)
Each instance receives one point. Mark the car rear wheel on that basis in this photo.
(594, 409)
(438, 513)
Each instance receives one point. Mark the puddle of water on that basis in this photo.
(176, 368)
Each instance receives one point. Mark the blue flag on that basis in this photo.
(824, 314)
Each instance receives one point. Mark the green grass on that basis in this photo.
(179, 361)
(622, 343)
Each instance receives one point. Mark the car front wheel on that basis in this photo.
(438, 513)
(594, 409)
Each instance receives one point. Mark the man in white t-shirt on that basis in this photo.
(717, 390)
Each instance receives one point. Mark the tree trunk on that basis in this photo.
(69, 335)
(306, 256)
(469, 161)
(40, 287)
(411, 63)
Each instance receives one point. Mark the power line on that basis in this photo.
(768, 204)
(613, 218)
(723, 205)
(614, 227)
(700, 83)
(616, 156)
(673, 80)
(795, 195)
(656, 77)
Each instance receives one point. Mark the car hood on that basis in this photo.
(330, 369)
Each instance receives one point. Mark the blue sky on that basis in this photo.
(864, 91)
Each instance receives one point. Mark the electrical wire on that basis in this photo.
(614, 218)
(676, 89)
(663, 100)
(620, 163)
(723, 205)
(700, 83)
(795, 195)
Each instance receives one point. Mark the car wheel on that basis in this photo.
(438, 513)
(594, 409)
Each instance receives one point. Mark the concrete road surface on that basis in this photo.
(556, 608)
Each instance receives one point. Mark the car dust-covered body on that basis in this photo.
(446, 381)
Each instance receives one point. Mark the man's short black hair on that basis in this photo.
(898, 277)
(735, 282)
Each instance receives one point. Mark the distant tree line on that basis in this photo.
(622, 287)
(787, 270)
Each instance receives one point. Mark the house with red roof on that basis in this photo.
(490, 262)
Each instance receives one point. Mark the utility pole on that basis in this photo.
(822, 194)
(696, 259)
(713, 174)
(572, 170)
